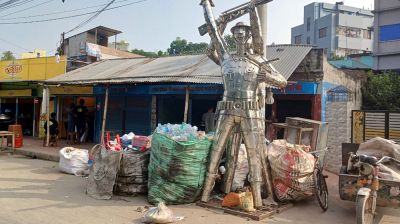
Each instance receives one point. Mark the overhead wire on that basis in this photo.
(14, 4)
(92, 17)
(15, 45)
(67, 17)
(53, 13)
(25, 9)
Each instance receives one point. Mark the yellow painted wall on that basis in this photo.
(33, 54)
(31, 69)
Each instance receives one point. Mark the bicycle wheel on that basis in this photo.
(364, 211)
(320, 189)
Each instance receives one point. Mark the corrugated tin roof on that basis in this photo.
(193, 69)
(188, 69)
(290, 56)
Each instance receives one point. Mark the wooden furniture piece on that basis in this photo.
(305, 131)
(5, 135)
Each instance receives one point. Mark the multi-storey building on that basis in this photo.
(387, 35)
(341, 30)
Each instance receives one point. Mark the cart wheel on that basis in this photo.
(364, 210)
(320, 189)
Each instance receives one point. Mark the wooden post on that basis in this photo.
(185, 115)
(103, 126)
(47, 116)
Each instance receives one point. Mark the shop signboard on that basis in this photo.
(298, 88)
(16, 93)
(32, 69)
(71, 90)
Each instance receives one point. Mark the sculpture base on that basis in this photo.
(259, 214)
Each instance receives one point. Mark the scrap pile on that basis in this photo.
(119, 166)
(133, 173)
(177, 164)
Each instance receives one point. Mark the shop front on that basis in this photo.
(67, 98)
(20, 93)
(298, 99)
(140, 108)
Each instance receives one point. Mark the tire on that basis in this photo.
(320, 189)
(364, 211)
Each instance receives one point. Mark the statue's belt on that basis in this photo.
(232, 105)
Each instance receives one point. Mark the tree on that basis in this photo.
(148, 54)
(7, 56)
(382, 92)
(182, 47)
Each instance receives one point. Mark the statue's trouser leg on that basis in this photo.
(224, 128)
(252, 134)
(231, 159)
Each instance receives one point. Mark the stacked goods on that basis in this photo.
(292, 168)
(133, 173)
(142, 143)
(177, 167)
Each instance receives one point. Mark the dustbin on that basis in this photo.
(17, 129)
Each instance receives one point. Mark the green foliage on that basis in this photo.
(382, 92)
(336, 57)
(7, 56)
(182, 47)
(148, 54)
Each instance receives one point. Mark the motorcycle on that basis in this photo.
(367, 183)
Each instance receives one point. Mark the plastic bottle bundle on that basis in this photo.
(178, 132)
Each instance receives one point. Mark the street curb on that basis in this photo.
(37, 155)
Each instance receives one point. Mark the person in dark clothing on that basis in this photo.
(71, 118)
(53, 125)
(81, 112)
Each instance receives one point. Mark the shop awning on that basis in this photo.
(188, 69)
(290, 56)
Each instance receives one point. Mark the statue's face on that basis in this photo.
(241, 35)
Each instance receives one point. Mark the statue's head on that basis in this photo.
(241, 33)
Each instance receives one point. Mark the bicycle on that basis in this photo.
(320, 188)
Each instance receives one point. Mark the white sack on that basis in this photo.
(74, 161)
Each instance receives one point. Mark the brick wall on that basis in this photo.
(337, 116)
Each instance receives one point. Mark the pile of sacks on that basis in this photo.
(133, 173)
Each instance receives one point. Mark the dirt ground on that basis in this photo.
(34, 191)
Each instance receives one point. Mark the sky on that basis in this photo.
(150, 25)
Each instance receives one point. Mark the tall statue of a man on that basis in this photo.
(240, 108)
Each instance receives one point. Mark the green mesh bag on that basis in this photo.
(176, 169)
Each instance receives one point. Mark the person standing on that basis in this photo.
(81, 112)
(208, 120)
(71, 118)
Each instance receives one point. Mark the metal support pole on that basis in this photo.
(185, 115)
(34, 118)
(103, 126)
(16, 110)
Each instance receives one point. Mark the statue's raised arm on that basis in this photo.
(258, 43)
(216, 39)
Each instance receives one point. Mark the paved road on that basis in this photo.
(34, 192)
